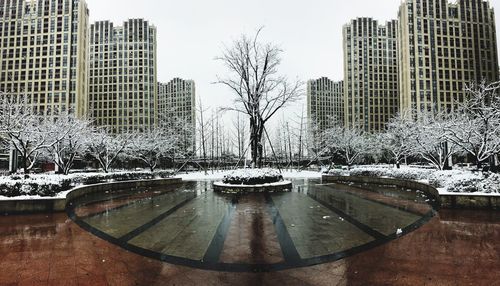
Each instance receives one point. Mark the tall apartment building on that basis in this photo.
(123, 75)
(444, 46)
(325, 106)
(177, 110)
(370, 73)
(44, 48)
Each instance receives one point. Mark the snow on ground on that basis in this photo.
(195, 176)
(294, 174)
(61, 195)
(458, 181)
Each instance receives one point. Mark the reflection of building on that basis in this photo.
(122, 85)
(324, 104)
(443, 47)
(177, 111)
(43, 53)
(370, 73)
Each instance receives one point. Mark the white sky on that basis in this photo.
(192, 32)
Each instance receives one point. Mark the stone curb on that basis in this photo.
(47, 205)
(446, 201)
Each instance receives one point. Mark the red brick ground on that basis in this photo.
(456, 248)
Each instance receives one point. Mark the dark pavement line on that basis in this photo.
(138, 201)
(365, 228)
(214, 250)
(290, 253)
(156, 220)
(401, 208)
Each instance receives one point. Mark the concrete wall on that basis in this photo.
(59, 205)
(448, 201)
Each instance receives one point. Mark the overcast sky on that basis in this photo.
(192, 32)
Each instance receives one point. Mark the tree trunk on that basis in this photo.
(256, 131)
(25, 165)
(479, 165)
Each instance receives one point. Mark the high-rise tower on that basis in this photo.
(370, 73)
(325, 107)
(123, 76)
(443, 47)
(44, 48)
(177, 111)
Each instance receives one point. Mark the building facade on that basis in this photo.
(177, 110)
(123, 75)
(325, 106)
(370, 73)
(443, 47)
(44, 48)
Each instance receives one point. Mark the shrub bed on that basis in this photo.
(51, 185)
(459, 181)
(252, 177)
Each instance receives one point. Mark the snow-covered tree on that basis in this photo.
(475, 126)
(350, 143)
(429, 140)
(260, 91)
(24, 130)
(182, 129)
(106, 148)
(396, 139)
(150, 146)
(316, 144)
(72, 134)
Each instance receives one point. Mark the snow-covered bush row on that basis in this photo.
(50, 185)
(461, 181)
(252, 177)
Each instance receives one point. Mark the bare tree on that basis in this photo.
(260, 91)
(202, 125)
(316, 144)
(240, 126)
(300, 136)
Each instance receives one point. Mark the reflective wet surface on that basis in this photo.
(314, 223)
(453, 248)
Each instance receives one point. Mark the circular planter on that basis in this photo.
(283, 186)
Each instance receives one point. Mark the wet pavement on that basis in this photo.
(453, 248)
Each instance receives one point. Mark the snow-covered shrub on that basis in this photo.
(465, 185)
(123, 176)
(252, 177)
(461, 181)
(50, 185)
(13, 186)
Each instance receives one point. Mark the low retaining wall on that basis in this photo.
(285, 186)
(446, 201)
(470, 201)
(48, 205)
